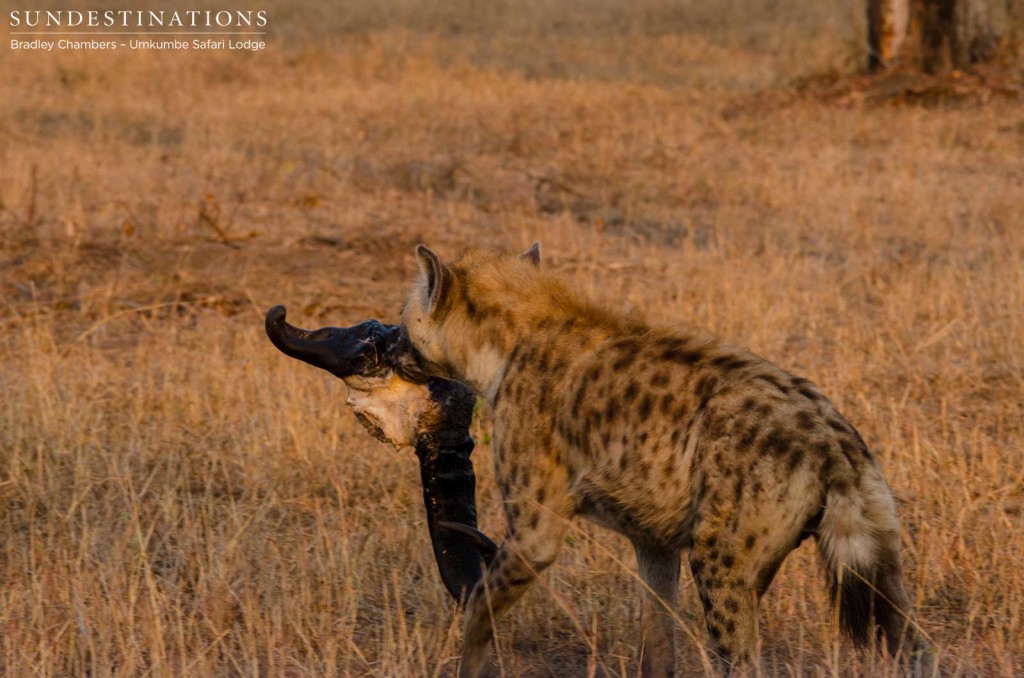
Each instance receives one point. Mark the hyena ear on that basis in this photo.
(438, 277)
(532, 255)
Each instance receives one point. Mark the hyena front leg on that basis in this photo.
(537, 523)
(659, 568)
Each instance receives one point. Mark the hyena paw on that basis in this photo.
(476, 664)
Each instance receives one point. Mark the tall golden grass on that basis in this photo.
(177, 498)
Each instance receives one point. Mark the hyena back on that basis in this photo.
(673, 438)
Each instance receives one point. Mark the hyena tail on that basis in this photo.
(859, 540)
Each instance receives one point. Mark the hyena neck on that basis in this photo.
(483, 368)
(496, 318)
(480, 348)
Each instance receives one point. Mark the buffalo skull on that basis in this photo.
(399, 405)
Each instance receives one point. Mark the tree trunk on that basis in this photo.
(888, 23)
(929, 35)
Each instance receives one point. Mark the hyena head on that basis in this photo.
(461, 317)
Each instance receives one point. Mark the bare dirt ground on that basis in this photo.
(178, 498)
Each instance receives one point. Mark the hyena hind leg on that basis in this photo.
(732, 570)
(730, 606)
(659, 569)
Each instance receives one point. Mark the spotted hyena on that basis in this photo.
(674, 438)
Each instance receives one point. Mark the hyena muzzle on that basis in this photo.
(671, 437)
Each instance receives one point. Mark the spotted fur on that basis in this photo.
(674, 438)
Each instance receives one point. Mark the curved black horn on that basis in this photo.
(488, 548)
(342, 351)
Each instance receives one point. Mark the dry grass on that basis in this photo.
(177, 498)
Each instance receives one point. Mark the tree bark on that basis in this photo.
(929, 35)
(888, 23)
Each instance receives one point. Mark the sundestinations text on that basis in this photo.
(131, 18)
